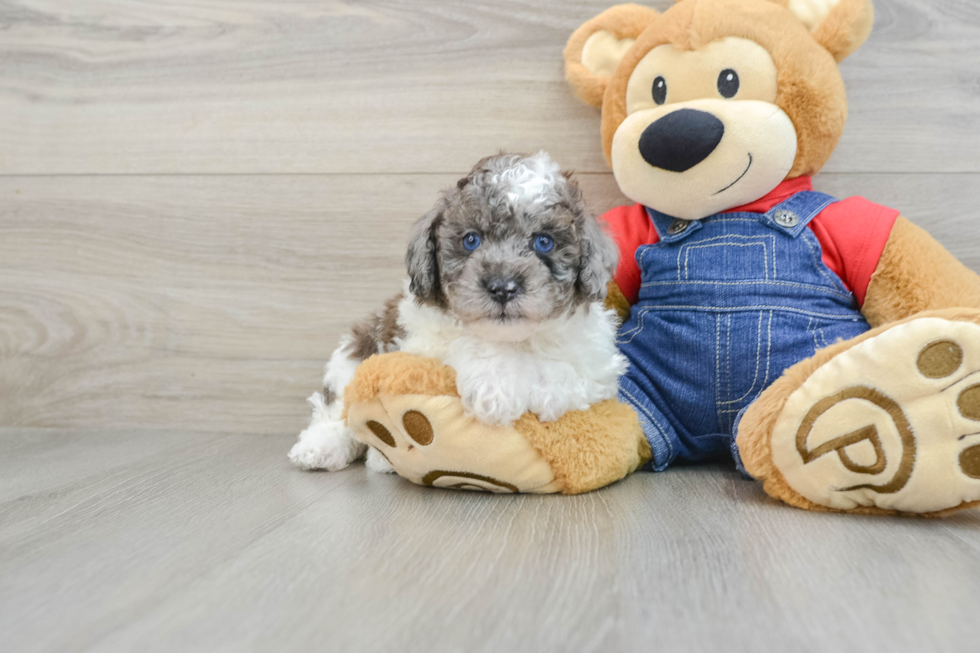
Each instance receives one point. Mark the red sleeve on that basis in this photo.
(853, 234)
(631, 227)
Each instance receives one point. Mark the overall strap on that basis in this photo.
(793, 215)
(671, 229)
(789, 217)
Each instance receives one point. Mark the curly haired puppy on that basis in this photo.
(507, 276)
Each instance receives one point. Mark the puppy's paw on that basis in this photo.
(325, 445)
(493, 405)
(551, 411)
(377, 463)
(550, 406)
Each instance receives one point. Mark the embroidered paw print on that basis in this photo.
(893, 422)
(941, 360)
(417, 427)
(409, 445)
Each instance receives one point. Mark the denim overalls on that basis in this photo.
(727, 303)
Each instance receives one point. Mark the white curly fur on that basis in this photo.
(529, 180)
(563, 364)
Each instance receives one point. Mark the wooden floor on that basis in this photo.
(196, 198)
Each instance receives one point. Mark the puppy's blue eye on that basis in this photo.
(544, 243)
(471, 241)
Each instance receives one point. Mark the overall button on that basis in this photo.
(786, 218)
(677, 227)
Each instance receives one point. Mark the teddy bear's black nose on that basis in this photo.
(681, 139)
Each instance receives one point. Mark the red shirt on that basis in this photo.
(851, 232)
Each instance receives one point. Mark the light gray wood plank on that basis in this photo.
(211, 303)
(421, 86)
(215, 544)
(122, 520)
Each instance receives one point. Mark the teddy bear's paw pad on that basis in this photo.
(431, 441)
(892, 423)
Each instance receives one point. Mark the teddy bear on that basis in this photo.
(829, 347)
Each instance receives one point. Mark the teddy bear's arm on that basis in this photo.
(616, 301)
(916, 273)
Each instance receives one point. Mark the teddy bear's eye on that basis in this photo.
(660, 90)
(728, 83)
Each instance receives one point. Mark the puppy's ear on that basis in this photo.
(595, 49)
(422, 258)
(840, 26)
(599, 258)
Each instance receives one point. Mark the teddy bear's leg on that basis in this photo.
(887, 422)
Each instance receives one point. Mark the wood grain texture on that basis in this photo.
(211, 303)
(122, 86)
(157, 541)
(196, 199)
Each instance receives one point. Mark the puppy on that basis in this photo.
(507, 276)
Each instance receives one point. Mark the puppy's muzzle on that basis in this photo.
(681, 139)
(503, 289)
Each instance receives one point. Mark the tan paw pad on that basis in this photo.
(889, 423)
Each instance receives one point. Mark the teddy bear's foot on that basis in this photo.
(891, 423)
(431, 441)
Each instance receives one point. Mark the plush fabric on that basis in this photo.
(917, 274)
(759, 422)
(810, 90)
(407, 408)
(622, 22)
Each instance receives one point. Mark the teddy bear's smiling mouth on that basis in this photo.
(739, 177)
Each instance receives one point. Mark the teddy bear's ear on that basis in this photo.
(840, 26)
(596, 48)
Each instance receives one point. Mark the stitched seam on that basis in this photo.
(726, 236)
(758, 359)
(765, 307)
(646, 411)
(813, 332)
(821, 267)
(688, 248)
(728, 357)
(635, 331)
(770, 238)
(788, 284)
(775, 272)
(683, 250)
(717, 366)
(765, 381)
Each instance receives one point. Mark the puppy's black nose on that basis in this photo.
(681, 139)
(504, 289)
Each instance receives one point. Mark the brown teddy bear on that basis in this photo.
(830, 347)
